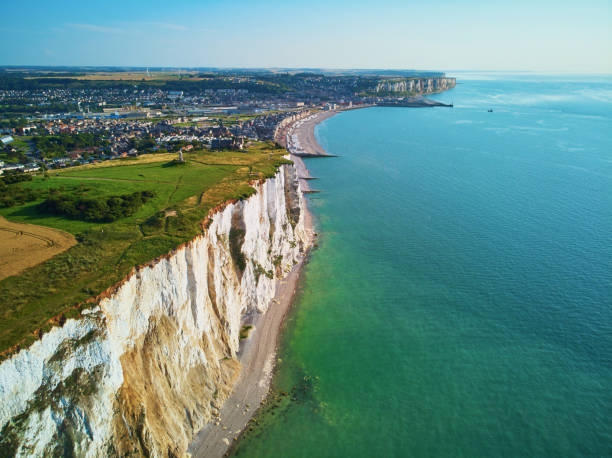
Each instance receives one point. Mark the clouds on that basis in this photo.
(169, 26)
(131, 27)
(96, 28)
(172, 27)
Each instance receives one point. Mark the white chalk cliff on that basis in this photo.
(141, 371)
(416, 85)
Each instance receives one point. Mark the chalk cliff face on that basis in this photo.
(416, 85)
(143, 370)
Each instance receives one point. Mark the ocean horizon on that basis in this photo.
(458, 301)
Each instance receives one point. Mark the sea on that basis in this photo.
(459, 300)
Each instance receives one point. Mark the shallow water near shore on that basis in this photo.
(459, 301)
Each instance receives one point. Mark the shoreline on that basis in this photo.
(302, 143)
(257, 354)
(300, 139)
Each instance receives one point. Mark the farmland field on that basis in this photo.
(25, 245)
(128, 76)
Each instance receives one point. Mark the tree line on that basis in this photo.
(188, 85)
(98, 209)
(25, 107)
(57, 145)
(11, 193)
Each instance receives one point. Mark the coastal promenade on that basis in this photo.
(300, 138)
(301, 142)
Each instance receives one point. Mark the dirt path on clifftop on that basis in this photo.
(257, 358)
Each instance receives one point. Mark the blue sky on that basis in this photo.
(546, 36)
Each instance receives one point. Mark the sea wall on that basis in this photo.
(142, 371)
(415, 85)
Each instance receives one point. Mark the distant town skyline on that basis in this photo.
(540, 36)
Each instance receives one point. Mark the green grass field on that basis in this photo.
(106, 252)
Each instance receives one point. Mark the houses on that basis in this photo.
(13, 168)
(207, 119)
(239, 143)
(30, 167)
(25, 130)
(221, 143)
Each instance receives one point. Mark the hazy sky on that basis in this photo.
(549, 36)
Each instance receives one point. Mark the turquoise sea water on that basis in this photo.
(459, 301)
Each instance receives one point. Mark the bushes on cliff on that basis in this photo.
(100, 209)
(236, 239)
(15, 177)
(11, 196)
(11, 193)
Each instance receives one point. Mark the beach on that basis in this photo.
(300, 137)
(300, 141)
(257, 353)
(257, 358)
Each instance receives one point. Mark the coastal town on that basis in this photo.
(76, 118)
(70, 141)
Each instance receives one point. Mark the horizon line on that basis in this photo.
(170, 67)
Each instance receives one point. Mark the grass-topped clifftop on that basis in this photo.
(166, 202)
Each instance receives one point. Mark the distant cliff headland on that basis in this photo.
(406, 87)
